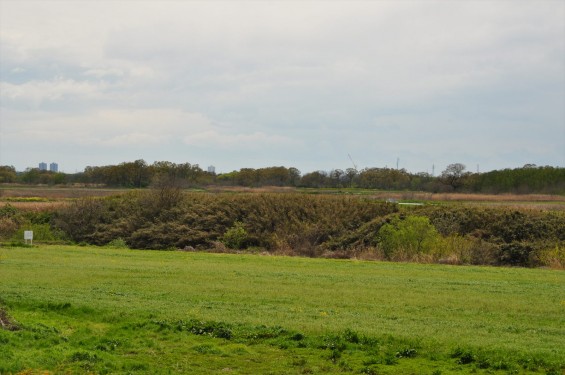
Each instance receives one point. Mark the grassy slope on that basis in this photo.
(74, 302)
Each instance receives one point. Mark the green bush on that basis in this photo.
(235, 237)
(118, 243)
(407, 238)
(516, 254)
(41, 233)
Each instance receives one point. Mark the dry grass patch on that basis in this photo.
(38, 206)
(56, 193)
(6, 322)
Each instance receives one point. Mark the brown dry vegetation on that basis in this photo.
(49, 198)
(61, 192)
(54, 193)
(6, 322)
(467, 197)
(242, 189)
(37, 206)
(543, 202)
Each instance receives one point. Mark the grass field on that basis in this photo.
(100, 310)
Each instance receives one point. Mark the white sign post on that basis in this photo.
(28, 235)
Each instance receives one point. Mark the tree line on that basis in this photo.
(138, 174)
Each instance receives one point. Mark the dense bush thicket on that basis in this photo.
(162, 219)
(462, 235)
(302, 224)
(308, 225)
(528, 179)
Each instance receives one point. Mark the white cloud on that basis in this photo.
(231, 76)
(255, 140)
(106, 128)
(35, 93)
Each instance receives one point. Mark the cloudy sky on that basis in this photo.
(294, 83)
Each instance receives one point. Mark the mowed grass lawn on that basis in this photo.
(100, 310)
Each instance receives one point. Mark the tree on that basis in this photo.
(31, 176)
(454, 175)
(247, 177)
(165, 194)
(315, 179)
(294, 176)
(7, 174)
(350, 174)
(335, 176)
(139, 173)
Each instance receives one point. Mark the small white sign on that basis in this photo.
(28, 236)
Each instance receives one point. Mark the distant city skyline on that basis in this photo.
(53, 167)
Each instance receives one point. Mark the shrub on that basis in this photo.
(80, 218)
(407, 238)
(235, 237)
(553, 257)
(515, 254)
(10, 220)
(41, 233)
(118, 243)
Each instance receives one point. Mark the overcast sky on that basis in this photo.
(295, 83)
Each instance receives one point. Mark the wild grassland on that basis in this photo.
(47, 198)
(100, 310)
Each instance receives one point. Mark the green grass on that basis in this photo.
(106, 310)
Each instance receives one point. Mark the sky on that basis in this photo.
(315, 85)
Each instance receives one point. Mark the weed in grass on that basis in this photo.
(390, 359)
(370, 370)
(208, 349)
(81, 356)
(6, 322)
(351, 336)
(57, 306)
(406, 353)
(108, 345)
(463, 356)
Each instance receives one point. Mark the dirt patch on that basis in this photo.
(6, 322)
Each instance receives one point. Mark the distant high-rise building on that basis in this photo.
(211, 169)
(42, 166)
(54, 167)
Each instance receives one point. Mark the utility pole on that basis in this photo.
(352, 162)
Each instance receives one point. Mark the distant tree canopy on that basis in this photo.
(529, 179)
(8, 174)
(138, 174)
(454, 175)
